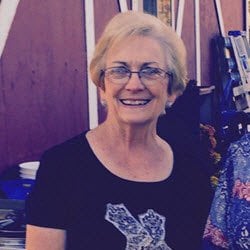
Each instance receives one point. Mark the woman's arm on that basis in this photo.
(42, 238)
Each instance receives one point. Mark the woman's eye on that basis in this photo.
(150, 71)
(119, 71)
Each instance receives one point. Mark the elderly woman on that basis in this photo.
(120, 185)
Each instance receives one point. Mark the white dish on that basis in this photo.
(27, 171)
(33, 165)
(28, 176)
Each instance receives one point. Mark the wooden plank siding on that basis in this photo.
(43, 97)
(43, 69)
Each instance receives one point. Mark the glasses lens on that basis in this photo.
(152, 73)
(117, 74)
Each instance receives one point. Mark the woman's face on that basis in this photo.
(135, 101)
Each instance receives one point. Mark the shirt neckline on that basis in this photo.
(112, 176)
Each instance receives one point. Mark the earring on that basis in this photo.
(169, 104)
(103, 103)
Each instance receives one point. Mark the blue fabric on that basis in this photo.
(228, 225)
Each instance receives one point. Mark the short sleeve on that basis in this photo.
(46, 205)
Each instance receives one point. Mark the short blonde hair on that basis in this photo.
(132, 23)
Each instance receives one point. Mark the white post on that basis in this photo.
(137, 5)
(180, 17)
(90, 44)
(173, 14)
(197, 42)
(247, 21)
(7, 13)
(123, 5)
(220, 18)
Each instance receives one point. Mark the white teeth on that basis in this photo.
(134, 102)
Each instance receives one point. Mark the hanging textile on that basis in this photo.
(228, 225)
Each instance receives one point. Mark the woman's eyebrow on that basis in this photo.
(148, 64)
(121, 62)
(142, 65)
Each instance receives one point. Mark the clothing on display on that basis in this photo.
(228, 225)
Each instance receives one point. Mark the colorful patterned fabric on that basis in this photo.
(228, 225)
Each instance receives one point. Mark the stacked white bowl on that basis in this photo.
(27, 170)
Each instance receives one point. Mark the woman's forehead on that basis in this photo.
(136, 49)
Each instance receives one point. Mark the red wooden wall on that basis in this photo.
(232, 11)
(43, 79)
(43, 87)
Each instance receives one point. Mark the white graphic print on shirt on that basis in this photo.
(148, 233)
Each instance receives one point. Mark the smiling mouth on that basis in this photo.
(130, 102)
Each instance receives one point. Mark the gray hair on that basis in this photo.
(132, 23)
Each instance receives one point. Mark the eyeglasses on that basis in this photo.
(148, 75)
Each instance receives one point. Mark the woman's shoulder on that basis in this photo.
(70, 146)
(66, 155)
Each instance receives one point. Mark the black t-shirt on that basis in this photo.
(99, 210)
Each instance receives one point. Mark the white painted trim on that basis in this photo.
(247, 19)
(180, 17)
(197, 42)
(137, 5)
(7, 13)
(90, 44)
(123, 5)
(173, 14)
(220, 17)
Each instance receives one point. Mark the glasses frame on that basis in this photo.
(166, 73)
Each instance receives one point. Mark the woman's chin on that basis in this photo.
(137, 120)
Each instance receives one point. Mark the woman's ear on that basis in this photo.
(102, 97)
(101, 84)
(171, 99)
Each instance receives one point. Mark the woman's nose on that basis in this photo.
(134, 82)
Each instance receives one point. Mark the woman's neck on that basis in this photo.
(129, 136)
(131, 152)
